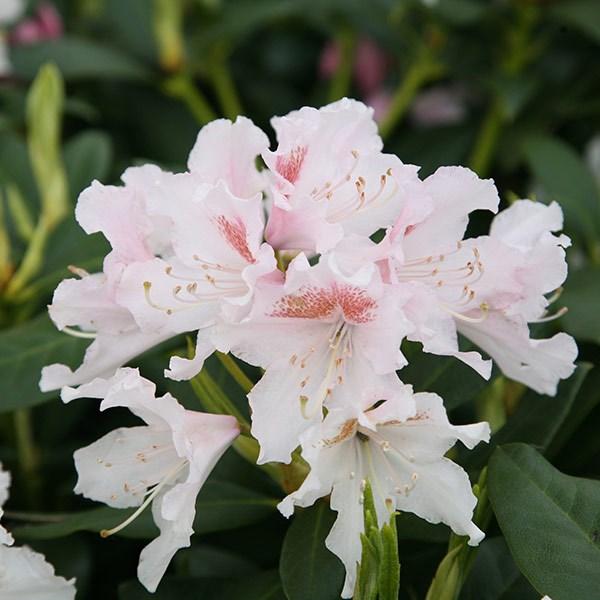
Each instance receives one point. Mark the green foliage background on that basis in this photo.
(140, 78)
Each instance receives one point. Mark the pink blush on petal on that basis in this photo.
(289, 166)
(236, 235)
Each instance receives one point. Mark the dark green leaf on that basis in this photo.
(24, 350)
(495, 576)
(262, 586)
(582, 290)
(537, 420)
(88, 156)
(582, 14)
(551, 522)
(566, 179)
(307, 568)
(209, 561)
(76, 58)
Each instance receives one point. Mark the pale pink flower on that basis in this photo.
(45, 24)
(23, 572)
(330, 178)
(380, 101)
(161, 277)
(487, 288)
(5, 536)
(403, 458)
(164, 462)
(439, 105)
(370, 64)
(325, 340)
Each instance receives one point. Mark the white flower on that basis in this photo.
(325, 340)
(403, 459)
(25, 574)
(183, 246)
(164, 462)
(5, 536)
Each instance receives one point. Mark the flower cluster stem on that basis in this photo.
(235, 371)
(27, 453)
(182, 87)
(424, 69)
(221, 79)
(342, 78)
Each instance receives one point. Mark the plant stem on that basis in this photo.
(33, 259)
(342, 78)
(182, 87)
(235, 371)
(424, 69)
(223, 84)
(27, 453)
(487, 138)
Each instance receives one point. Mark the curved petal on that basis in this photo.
(102, 358)
(27, 574)
(226, 151)
(121, 466)
(539, 364)
(455, 192)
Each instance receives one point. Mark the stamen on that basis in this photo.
(78, 271)
(168, 478)
(557, 315)
(483, 307)
(87, 335)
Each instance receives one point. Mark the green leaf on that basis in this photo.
(220, 506)
(551, 522)
(582, 14)
(88, 156)
(566, 179)
(261, 586)
(582, 290)
(537, 420)
(495, 576)
(307, 568)
(24, 350)
(209, 561)
(77, 58)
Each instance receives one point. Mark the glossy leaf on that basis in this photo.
(495, 576)
(537, 420)
(551, 522)
(307, 568)
(566, 179)
(582, 290)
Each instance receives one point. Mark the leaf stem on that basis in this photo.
(182, 87)
(342, 78)
(235, 371)
(27, 453)
(424, 69)
(220, 76)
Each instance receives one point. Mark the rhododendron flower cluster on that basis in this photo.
(313, 261)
